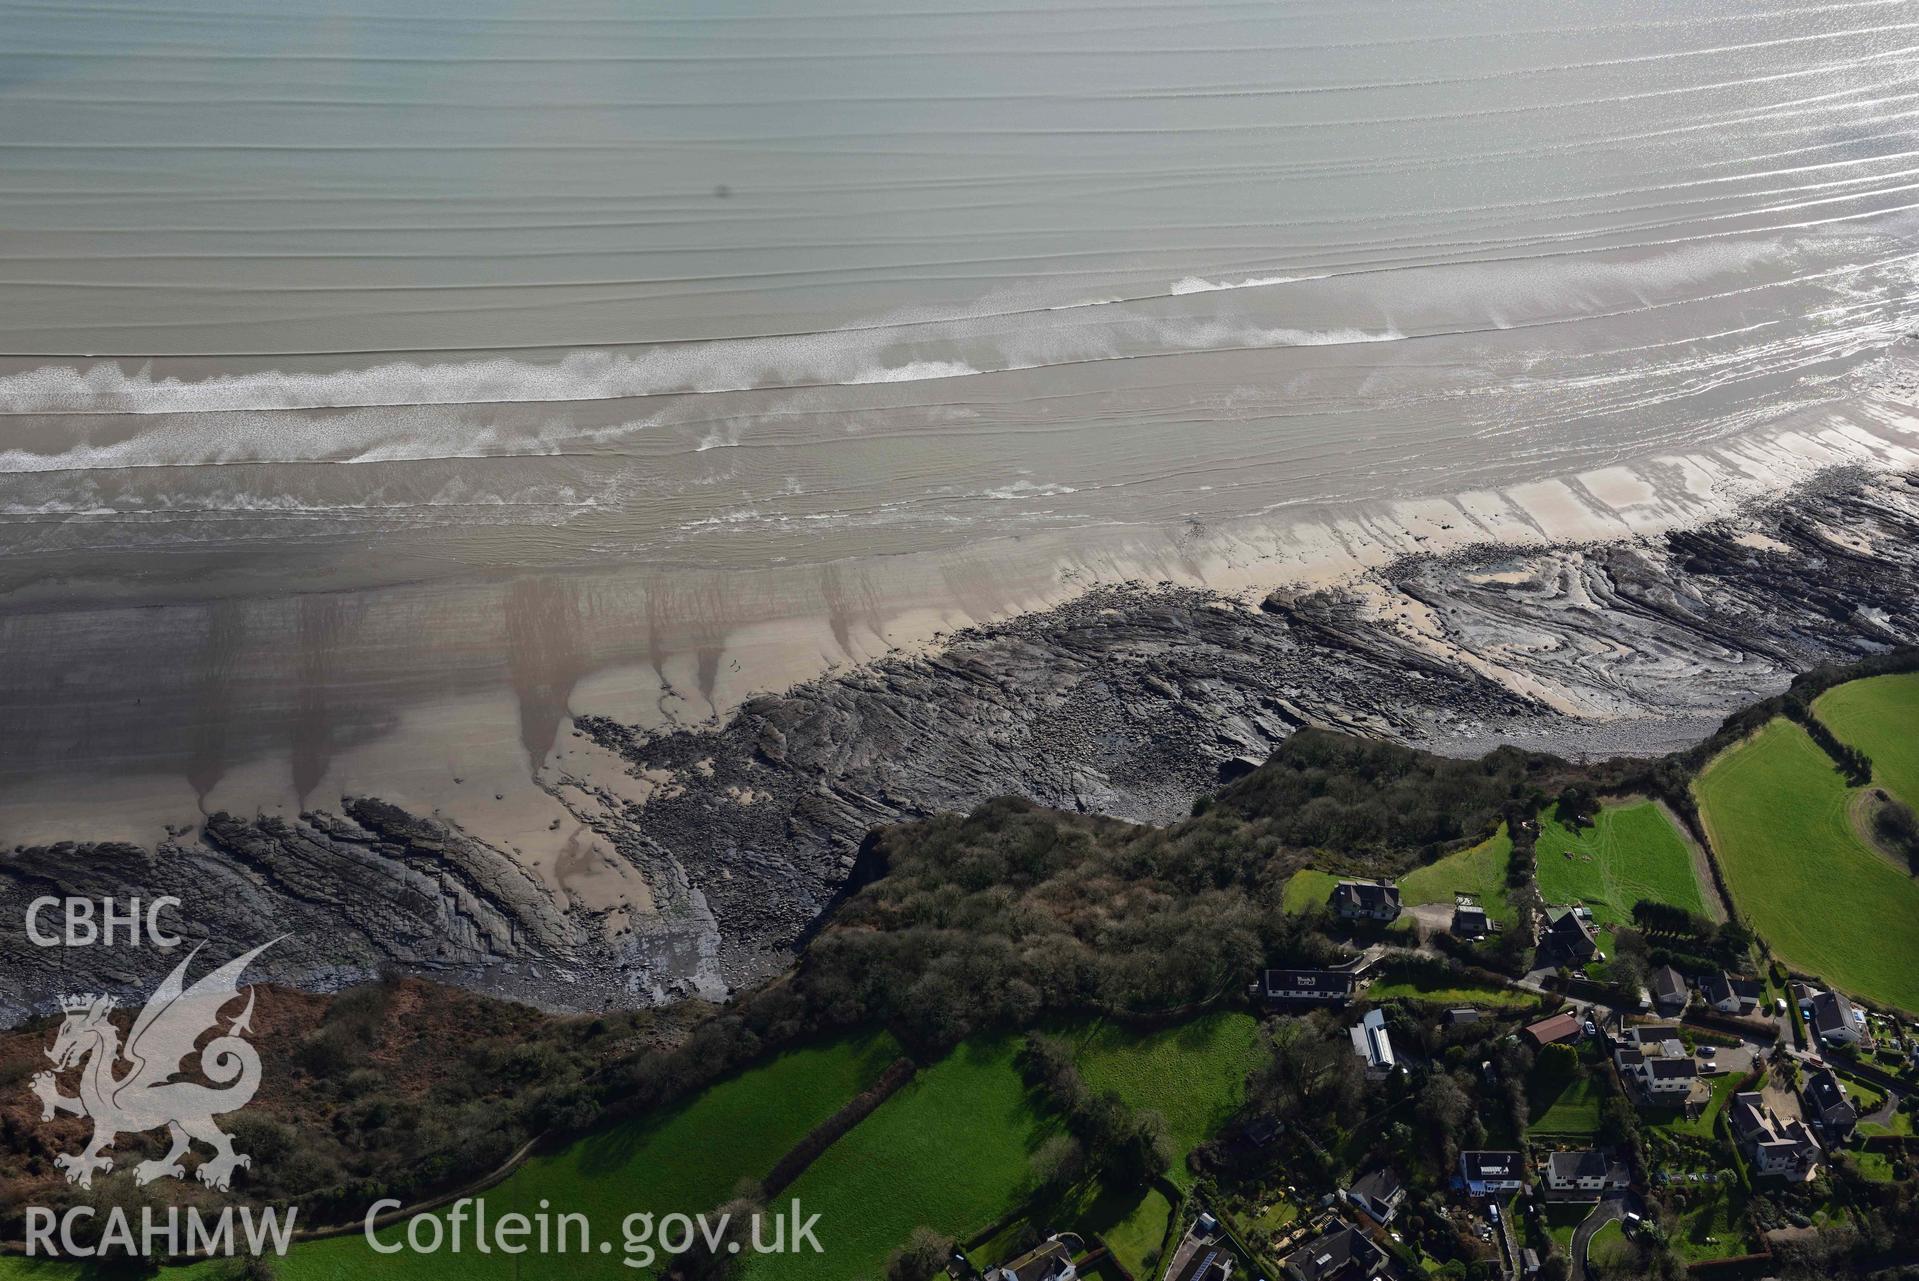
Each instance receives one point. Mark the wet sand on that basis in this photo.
(455, 696)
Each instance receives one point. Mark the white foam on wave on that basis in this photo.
(1199, 285)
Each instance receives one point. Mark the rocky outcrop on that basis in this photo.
(348, 896)
(1128, 701)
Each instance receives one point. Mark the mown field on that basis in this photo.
(950, 1151)
(1480, 870)
(1777, 815)
(1880, 717)
(1631, 852)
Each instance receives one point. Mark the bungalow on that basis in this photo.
(1569, 941)
(1492, 1173)
(1837, 1020)
(1551, 1031)
(1774, 1146)
(1826, 1105)
(1371, 1043)
(1730, 994)
(1574, 1173)
(1366, 900)
(1324, 987)
(1471, 922)
(1047, 1261)
(1377, 1195)
(1669, 989)
(1341, 1254)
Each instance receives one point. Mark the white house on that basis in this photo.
(1322, 987)
(1585, 1172)
(1492, 1173)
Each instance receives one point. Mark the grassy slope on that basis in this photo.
(1308, 888)
(1777, 815)
(1880, 717)
(1631, 852)
(687, 1161)
(1480, 870)
(950, 1151)
(1565, 1108)
(1194, 1075)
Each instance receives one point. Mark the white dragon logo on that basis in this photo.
(145, 1097)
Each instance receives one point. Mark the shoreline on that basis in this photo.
(728, 839)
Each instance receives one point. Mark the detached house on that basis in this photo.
(1730, 995)
(1372, 1045)
(1322, 987)
(1669, 991)
(1826, 1105)
(1836, 1020)
(1470, 922)
(1366, 900)
(1775, 1147)
(1663, 1079)
(1568, 941)
(1048, 1261)
(1585, 1173)
(1377, 1195)
(1492, 1173)
(1343, 1254)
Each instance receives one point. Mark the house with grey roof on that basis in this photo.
(1836, 1020)
(1669, 991)
(1377, 1194)
(1775, 1147)
(1366, 901)
(1826, 1105)
(1730, 994)
(1585, 1175)
(1342, 1254)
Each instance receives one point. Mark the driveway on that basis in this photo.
(1613, 1207)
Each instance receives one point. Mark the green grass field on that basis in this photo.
(1480, 870)
(1308, 888)
(1136, 1239)
(1880, 717)
(1716, 1227)
(1631, 852)
(1194, 1074)
(1776, 812)
(1406, 985)
(950, 1151)
(1567, 1109)
(1610, 1248)
(1674, 1120)
(687, 1161)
